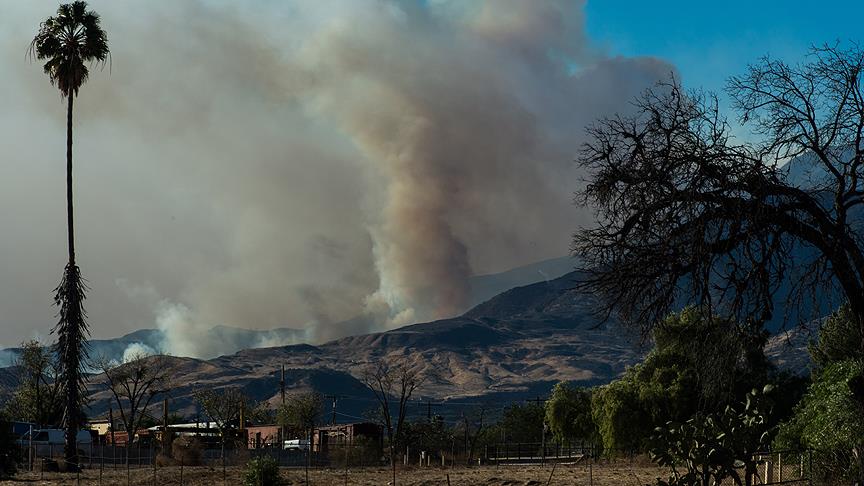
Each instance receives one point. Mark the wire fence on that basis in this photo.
(581, 464)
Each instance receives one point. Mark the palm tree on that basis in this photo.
(67, 43)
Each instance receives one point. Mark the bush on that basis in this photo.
(710, 449)
(8, 450)
(187, 450)
(830, 420)
(262, 471)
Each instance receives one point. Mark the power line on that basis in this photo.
(335, 399)
(429, 406)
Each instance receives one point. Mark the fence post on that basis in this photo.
(779, 467)
(347, 459)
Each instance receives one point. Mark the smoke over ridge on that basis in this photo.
(298, 164)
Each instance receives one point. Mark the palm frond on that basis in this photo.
(68, 42)
(72, 332)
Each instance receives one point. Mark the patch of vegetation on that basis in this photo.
(8, 449)
(262, 471)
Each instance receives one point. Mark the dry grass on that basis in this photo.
(617, 474)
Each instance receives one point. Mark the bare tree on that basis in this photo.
(473, 426)
(688, 213)
(392, 385)
(133, 385)
(227, 408)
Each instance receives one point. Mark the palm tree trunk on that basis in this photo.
(69, 218)
(71, 357)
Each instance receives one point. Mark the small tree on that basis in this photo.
(473, 424)
(830, 420)
(133, 385)
(523, 422)
(39, 396)
(225, 408)
(392, 385)
(568, 413)
(302, 412)
(839, 339)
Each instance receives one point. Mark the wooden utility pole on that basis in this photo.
(540, 401)
(335, 400)
(282, 385)
(429, 406)
(165, 440)
(282, 394)
(111, 424)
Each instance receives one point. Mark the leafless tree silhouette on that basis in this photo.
(688, 213)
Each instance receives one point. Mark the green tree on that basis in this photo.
(302, 412)
(700, 364)
(568, 413)
(830, 419)
(38, 397)
(839, 339)
(622, 422)
(523, 422)
(429, 435)
(67, 42)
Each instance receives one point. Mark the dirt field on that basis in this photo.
(602, 475)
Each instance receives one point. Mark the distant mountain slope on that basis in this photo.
(8, 382)
(482, 287)
(515, 345)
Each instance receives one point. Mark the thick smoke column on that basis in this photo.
(298, 164)
(458, 107)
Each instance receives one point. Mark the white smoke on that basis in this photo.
(297, 164)
(137, 350)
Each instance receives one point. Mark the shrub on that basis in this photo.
(830, 420)
(710, 449)
(8, 450)
(262, 471)
(187, 450)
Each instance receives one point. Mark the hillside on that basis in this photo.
(482, 288)
(515, 345)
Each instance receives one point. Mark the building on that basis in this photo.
(263, 436)
(342, 435)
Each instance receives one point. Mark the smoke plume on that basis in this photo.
(299, 164)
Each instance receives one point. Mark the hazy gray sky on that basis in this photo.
(266, 164)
